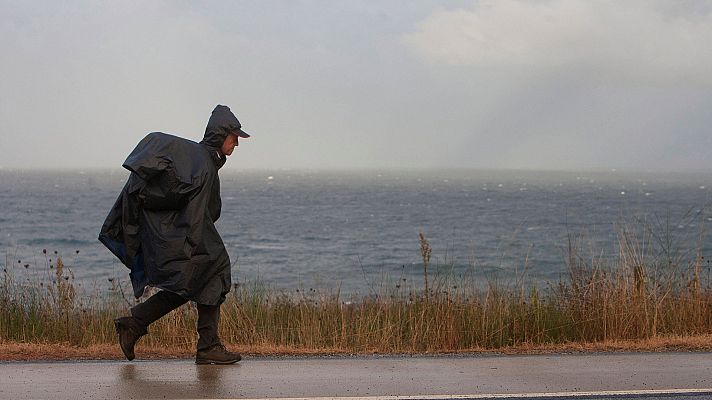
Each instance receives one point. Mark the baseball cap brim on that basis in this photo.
(239, 132)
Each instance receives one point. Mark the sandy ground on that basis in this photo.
(13, 351)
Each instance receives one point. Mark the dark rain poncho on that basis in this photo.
(162, 225)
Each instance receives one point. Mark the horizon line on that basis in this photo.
(385, 169)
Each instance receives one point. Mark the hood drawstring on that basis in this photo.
(218, 158)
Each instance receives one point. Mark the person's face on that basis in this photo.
(229, 144)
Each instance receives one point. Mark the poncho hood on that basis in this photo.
(222, 121)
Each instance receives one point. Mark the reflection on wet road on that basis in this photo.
(141, 380)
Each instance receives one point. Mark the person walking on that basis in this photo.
(162, 227)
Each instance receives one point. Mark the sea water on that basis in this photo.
(357, 230)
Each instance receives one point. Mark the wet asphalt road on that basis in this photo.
(416, 377)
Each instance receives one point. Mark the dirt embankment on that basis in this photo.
(14, 351)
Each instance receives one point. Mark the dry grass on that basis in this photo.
(648, 296)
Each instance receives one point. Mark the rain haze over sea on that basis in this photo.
(359, 229)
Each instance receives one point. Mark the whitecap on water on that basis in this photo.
(266, 246)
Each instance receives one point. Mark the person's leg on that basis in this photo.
(156, 306)
(210, 349)
(208, 321)
(130, 329)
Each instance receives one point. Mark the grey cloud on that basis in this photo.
(628, 41)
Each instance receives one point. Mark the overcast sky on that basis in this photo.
(560, 84)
